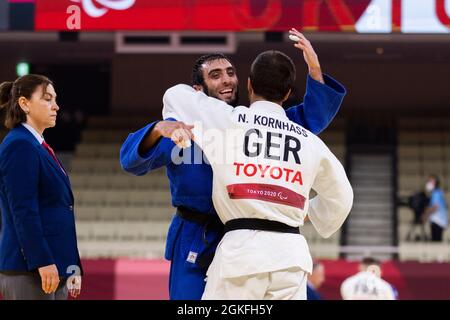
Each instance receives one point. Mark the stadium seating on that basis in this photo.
(117, 214)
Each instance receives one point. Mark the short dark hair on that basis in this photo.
(272, 75)
(10, 92)
(367, 261)
(197, 70)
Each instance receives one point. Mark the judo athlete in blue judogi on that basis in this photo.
(195, 229)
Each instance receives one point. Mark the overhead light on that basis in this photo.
(22, 69)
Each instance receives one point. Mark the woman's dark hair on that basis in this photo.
(10, 92)
(367, 261)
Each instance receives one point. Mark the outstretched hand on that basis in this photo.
(178, 131)
(309, 55)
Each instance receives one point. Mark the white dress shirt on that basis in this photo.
(34, 132)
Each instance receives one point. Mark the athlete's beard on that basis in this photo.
(232, 103)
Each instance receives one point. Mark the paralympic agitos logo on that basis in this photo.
(98, 8)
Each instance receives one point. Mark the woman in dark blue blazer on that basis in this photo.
(39, 257)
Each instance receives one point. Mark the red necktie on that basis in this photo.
(52, 153)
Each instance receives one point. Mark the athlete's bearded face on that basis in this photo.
(221, 81)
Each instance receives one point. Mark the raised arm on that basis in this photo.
(320, 104)
(323, 95)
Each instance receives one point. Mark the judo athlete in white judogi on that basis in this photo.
(264, 167)
(367, 284)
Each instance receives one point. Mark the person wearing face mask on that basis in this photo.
(437, 210)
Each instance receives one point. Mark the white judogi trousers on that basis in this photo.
(259, 265)
(288, 284)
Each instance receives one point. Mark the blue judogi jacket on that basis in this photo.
(191, 184)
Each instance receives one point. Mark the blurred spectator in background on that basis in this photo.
(417, 203)
(315, 280)
(367, 283)
(436, 211)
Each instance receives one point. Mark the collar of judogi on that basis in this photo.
(267, 106)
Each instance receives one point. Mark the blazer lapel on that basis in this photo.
(53, 163)
(22, 130)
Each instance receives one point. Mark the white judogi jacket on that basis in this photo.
(264, 167)
(366, 286)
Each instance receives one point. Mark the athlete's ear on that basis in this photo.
(198, 87)
(287, 95)
(249, 87)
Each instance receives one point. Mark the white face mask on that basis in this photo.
(429, 186)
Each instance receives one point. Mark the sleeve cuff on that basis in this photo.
(331, 84)
(150, 153)
(38, 257)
